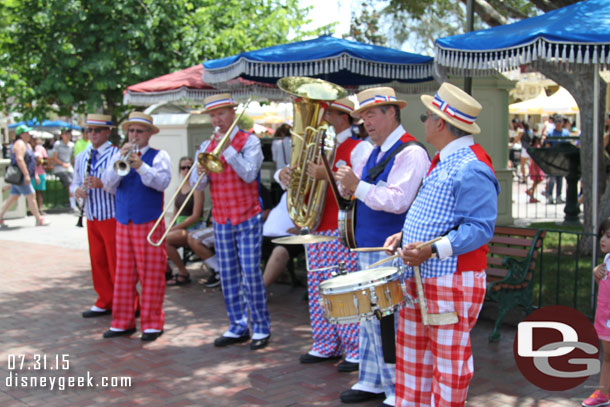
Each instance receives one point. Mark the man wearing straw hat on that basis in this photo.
(139, 203)
(331, 341)
(99, 209)
(458, 203)
(384, 186)
(238, 225)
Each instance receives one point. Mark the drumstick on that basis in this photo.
(421, 246)
(369, 249)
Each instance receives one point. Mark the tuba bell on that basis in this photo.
(311, 98)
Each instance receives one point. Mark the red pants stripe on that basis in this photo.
(434, 364)
(139, 260)
(102, 251)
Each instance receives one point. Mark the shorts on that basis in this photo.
(22, 189)
(294, 250)
(43, 183)
(205, 236)
(65, 178)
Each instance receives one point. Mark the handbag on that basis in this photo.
(13, 175)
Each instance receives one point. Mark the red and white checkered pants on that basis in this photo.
(434, 364)
(137, 259)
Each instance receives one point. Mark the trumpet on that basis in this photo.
(211, 162)
(121, 166)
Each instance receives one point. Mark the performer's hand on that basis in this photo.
(392, 242)
(135, 161)
(285, 174)
(94, 182)
(412, 256)
(316, 171)
(348, 179)
(600, 272)
(201, 169)
(80, 193)
(294, 231)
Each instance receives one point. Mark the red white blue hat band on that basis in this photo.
(377, 99)
(451, 111)
(220, 102)
(94, 122)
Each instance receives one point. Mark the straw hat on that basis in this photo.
(140, 118)
(455, 106)
(344, 105)
(377, 97)
(217, 102)
(99, 120)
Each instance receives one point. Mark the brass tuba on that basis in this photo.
(306, 196)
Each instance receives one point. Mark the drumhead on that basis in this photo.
(358, 278)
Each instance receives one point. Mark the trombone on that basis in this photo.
(212, 163)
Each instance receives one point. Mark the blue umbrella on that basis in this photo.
(346, 63)
(578, 34)
(46, 124)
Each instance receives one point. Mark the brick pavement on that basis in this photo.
(45, 288)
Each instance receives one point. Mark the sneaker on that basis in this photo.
(560, 201)
(3, 225)
(550, 201)
(534, 200)
(42, 222)
(596, 399)
(213, 281)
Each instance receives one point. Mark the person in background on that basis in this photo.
(63, 154)
(24, 158)
(277, 256)
(139, 203)
(81, 144)
(201, 241)
(40, 182)
(189, 219)
(551, 140)
(536, 173)
(280, 151)
(525, 139)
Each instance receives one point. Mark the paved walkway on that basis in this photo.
(46, 285)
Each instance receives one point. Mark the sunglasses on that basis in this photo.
(137, 131)
(185, 168)
(423, 117)
(95, 130)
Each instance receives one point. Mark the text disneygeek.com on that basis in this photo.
(25, 372)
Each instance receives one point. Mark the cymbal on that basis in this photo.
(304, 239)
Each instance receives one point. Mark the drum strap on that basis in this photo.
(388, 338)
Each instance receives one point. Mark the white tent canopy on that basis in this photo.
(559, 102)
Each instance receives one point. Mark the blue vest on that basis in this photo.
(373, 227)
(136, 202)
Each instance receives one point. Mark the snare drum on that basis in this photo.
(363, 294)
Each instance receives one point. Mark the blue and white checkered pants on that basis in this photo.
(238, 249)
(375, 376)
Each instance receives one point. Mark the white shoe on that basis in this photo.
(42, 222)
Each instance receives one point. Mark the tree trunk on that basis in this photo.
(579, 82)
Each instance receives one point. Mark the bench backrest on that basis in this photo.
(511, 242)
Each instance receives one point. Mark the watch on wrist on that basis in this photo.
(434, 251)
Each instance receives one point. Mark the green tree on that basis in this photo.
(63, 56)
(364, 27)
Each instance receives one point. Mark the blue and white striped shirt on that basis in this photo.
(100, 204)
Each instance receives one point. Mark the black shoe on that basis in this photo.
(358, 396)
(137, 314)
(92, 314)
(346, 366)
(226, 340)
(113, 334)
(259, 343)
(151, 336)
(309, 358)
(213, 281)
